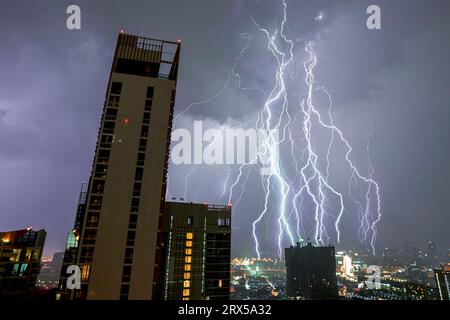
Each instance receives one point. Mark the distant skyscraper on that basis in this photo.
(20, 262)
(311, 272)
(194, 252)
(125, 197)
(442, 276)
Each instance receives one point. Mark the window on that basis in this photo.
(186, 283)
(128, 255)
(186, 292)
(113, 101)
(111, 114)
(150, 91)
(15, 257)
(144, 132)
(188, 259)
(189, 252)
(146, 118)
(98, 186)
(139, 174)
(189, 235)
(142, 145)
(126, 270)
(188, 243)
(106, 141)
(124, 289)
(108, 127)
(130, 238)
(220, 283)
(116, 88)
(90, 236)
(135, 202)
(187, 275)
(135, 205)
(187, 267)
(137, 189)
(23, 269)
(95, 203)
(223, 222)
(141, 159)
(190, 221)
(103, 154)
(100, 171)
(86, 254)
(92, 220)
(85, 272)
(132, 224)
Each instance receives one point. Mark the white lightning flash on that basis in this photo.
(301, 193)
(370, 216)
(311, 181)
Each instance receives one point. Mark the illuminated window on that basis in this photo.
(85, 272)
(185, 292)
(189, 235)
(187, 284)
(28, 254)
(188, 243)
(220, 283)
(188, 252)
(187, 267)
(187, 275)
(15, 257)
(188, 259)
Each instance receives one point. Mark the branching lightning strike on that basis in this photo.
(309, 192)
(314, 181)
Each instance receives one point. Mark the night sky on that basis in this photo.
(389, 87)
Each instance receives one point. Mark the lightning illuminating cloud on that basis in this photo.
(300, 189)
(312, 180)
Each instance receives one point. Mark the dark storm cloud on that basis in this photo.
(52, 85)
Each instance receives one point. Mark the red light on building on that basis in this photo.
(125, 120)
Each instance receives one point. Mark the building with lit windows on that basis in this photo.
(20, 262)
(311, 272)
(194, 252)
(127, 187)
(442, 276)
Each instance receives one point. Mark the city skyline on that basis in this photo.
(65, 90)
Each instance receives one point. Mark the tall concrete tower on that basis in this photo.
(125, 197)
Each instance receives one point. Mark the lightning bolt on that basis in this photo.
(271, 122)
(309, 194)
(311, 181)
(372, 186)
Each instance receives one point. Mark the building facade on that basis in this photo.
(20, 262)
(311, 272)
(125, 196)
(442, 276)
(71, 247)
(194, 254)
